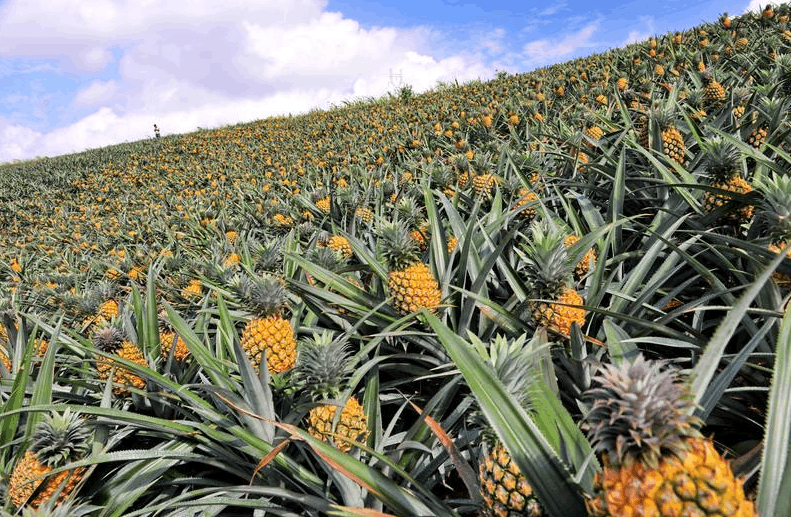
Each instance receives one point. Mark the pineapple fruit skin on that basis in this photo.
(413, 288)
(699, 483)
(505, 491)
(122, 377)
(23, 482)
(274, 336)
(712, 201)
(180, 351)
(559, 317)
(353, 424)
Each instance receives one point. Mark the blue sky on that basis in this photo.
(78, 74)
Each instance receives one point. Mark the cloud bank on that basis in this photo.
(123, 65)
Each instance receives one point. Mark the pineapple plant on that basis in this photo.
(59, 439)
(774, 215)
(410, 282)
(554, 303)
(112, 340)
(324, 366)
(656, 461)
(268, 334)
(504, 489)
(721, 164)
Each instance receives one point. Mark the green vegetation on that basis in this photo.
(465, 285)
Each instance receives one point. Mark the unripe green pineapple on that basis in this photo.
(656, 462)
(112, 340)
(721, 163)
(504, 490)
(410, 283)
(324, 367)
(268, 332)
(59, 439)
(554, 303)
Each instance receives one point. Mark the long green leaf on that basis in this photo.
(776, 462)
(704, 371)
(536, 458)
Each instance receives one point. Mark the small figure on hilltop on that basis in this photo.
(156, 131)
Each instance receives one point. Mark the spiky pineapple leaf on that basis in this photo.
(703, 372)
(773, 498)
(537, 459)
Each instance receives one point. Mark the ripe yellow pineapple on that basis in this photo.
(483, 184)
(365, 214)
(714, 92)
(57, 440)
(656, 462)
(323, 204)
(268, 332)
(410, 283)
(586, 262)
(721, 164)
(673, 145)
(323, 370)
(193, 289)
(169, 340)
(554, 304)
(341, 246)
(504, 490)
(112, 340)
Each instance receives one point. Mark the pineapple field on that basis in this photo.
(563, 292)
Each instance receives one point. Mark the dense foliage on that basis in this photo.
(375, 307)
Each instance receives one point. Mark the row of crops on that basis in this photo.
(554, 293)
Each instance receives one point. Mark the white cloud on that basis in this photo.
(94, 59)
(206, 63)
(546, 51)
(17, 142)
(641, 35)
(757, 5)
(97, 92)
(553, 9)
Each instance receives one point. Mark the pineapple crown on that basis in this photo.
(108, 339)
(408, 210)
(640, 411)
(265, 295)
(267, 256)
(105, 290)
(163, 323)
(397, 247)
(775, 211)
(721, 160)
(512, 362)
(548, 264)
(324, 365)
(60, 439)
(326, 258)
